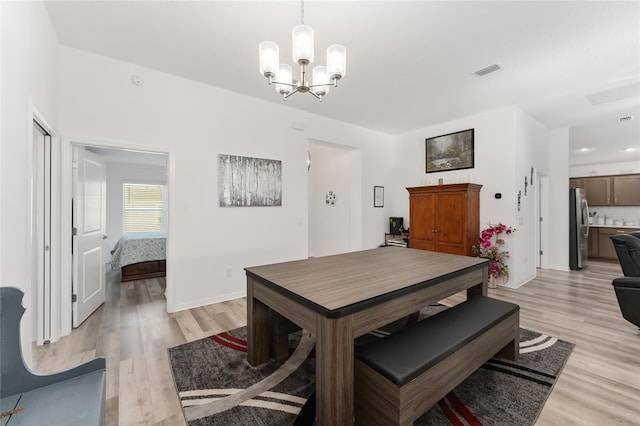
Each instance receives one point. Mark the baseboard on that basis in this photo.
(201, 302)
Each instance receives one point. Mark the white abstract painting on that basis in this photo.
(249, 182)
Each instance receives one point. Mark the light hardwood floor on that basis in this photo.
(600, 384)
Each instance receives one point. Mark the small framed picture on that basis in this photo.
(378, 196)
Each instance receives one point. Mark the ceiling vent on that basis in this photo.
(625, 118)
(615, 94)
(487, 70)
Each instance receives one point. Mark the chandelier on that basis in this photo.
(281, 74)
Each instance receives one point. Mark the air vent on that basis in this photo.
(487, 70)
(625, 118)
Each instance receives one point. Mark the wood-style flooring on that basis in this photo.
(600, 384)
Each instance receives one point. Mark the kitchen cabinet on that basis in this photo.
(597, 190)
(445, 218)
(617, 190)
(626, 190)
(605, 245)
(594, 236)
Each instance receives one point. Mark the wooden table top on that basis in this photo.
(345, 283)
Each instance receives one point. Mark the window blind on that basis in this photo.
(143, 207)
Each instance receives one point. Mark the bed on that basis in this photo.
(140, 255)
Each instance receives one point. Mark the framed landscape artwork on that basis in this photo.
(453, 151)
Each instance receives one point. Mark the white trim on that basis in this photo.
(543, 181)
(66, 197)
(56, 266)
(201, 302)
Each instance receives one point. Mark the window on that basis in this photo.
(144, 207)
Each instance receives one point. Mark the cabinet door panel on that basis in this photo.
(593, 242)
(450, 214)
(626, 190)
(605, 247)
(422, 218)
(597, 190)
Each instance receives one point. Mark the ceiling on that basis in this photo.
(410, 64)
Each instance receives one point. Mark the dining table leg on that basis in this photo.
(257, 327)
(334, 371)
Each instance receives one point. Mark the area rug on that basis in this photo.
(217, 386)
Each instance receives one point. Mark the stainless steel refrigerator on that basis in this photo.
(578, 229)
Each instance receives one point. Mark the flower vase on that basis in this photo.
(493, 282)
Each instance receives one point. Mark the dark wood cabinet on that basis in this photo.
(605, 245)
(597, 190)
(619, 190)
(626, 190)
(445, 218)
(594, 236)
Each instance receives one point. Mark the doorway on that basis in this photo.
(119, 160)
(334, 198)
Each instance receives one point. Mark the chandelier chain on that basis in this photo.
(302, 12)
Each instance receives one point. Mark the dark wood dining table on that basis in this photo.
(341, 297)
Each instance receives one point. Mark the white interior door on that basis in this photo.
(89, 228)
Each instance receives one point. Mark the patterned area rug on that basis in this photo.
(217, 386)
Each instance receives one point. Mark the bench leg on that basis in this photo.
(511, 350)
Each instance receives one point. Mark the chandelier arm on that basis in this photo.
(287, 95)
(318, 85)
(318, 97)
(282, 83)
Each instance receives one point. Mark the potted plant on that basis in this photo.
(488, 247)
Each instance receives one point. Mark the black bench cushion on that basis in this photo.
(403, 356)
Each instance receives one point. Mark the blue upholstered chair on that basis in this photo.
(70, 397)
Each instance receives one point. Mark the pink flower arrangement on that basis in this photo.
(487, 248)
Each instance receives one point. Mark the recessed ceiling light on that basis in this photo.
(629, 149)
(584, 149)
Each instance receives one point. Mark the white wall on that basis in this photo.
(194, 123)
(506, 141)
(532, 145)
(29, 54)
(118, 174)
(559, 199)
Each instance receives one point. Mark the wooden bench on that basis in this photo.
(401, 376)
(73, 397)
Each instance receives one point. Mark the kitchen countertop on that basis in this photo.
(593, 225)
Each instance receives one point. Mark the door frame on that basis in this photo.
(66, 226)
(47, 294)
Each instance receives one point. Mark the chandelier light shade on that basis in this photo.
(284, 76)
(269, 54)
(336, 61)
(281, 75)
(302, 44)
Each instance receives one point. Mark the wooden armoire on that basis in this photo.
(444, 218)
